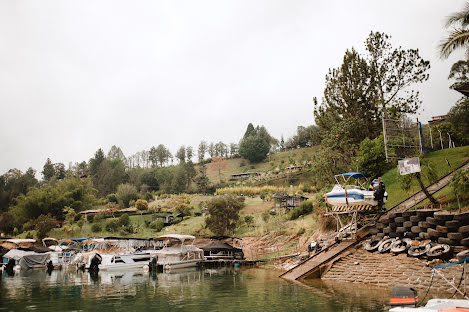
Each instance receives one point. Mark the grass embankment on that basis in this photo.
(439, 160)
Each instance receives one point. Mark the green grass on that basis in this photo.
(455, 157)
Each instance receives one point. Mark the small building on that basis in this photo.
(436, 120)
(293, 168)
(244, 175)
(283, 200)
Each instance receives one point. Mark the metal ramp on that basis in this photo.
(314, 263)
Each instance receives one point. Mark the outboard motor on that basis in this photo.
(50, 266)
(95, 262)
(10, 265)
(153, 264)
(403, 296)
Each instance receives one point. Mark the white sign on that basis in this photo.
(410, 165)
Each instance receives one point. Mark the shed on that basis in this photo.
(283, 200)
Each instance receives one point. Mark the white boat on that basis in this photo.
(178, 252)
(110, 262)
(344, 193)
(438, 305)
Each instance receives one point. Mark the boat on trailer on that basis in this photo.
(353, 194)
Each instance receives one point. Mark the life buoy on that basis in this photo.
(401, 245)
(419, 251)
(385, 245)
(373, 244)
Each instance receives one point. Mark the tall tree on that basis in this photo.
(189, 153)
(458, 38)
(48, 170)
(211, 149)
(59, 169)
(202, 150)
(116, 153)
(96, 161)
(181, 154)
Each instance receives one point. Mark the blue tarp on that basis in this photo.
(355, 175)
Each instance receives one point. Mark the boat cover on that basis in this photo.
(355, 175)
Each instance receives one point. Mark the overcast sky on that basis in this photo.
(79, 75)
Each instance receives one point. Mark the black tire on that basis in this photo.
(425, 213)
(400, 219)
(431, 221)
(393, 215)
(374, 231)
(443, 217)
(462, 217)
(380, 235)
(410, 235)
(409, 213)
(384, 220)
(433, 234)
(453, 224)
(408, 224)
(416, 229)
(372, 244)
(442, 229)
(392, 225)
(447, 241)
(392, 235)
(424, 235)
(387, 230)
(419, 251)
(379, 226)
(401, 229)
(439, 251)
(464, 229)
(399, 245)
(462, 255)
(423, 225)
(465, 242)
(385, 245)
(455, 236)
(416, 219)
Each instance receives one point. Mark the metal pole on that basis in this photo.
(385, 139)
(441, 139)
(431, 138)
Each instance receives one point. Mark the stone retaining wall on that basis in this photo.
(387, 270)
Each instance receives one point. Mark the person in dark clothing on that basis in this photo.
(379, 191)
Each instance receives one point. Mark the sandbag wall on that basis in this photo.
(440, 227)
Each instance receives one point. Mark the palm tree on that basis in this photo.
(459, 36)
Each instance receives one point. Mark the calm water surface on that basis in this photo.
(253, 289)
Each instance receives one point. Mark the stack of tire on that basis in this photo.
(434, 225)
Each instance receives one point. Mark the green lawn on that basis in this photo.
(455, 157)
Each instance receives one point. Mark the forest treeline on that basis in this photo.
(347, 130)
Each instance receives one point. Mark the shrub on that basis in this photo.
(303, 209)
(141, 205)
(44, 223)
(242, 163)
(80, 224)
(157, 225)
(77, 217)
(112, 225)
(89, 218)
(148, 196)
(132, 203)
(265, 216)
(460, 183)
(96, 228)
(126, 193)
(301, 231)
(112, 198)
(124, 220)
(99, 216)
(224, 214)
(249, 220)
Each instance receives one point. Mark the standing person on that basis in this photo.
(379, 189)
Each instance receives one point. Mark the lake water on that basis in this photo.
(226, 289)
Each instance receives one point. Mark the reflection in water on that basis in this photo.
(222, 289)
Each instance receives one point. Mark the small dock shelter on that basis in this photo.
(283, 200)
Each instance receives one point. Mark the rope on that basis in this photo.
(460, 281)
(429, 286)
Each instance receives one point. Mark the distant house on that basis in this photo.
(242, 176)
(436, 120)
(283, 200)
(293, 168)
(170, 219)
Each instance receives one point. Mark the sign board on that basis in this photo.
(410, 165)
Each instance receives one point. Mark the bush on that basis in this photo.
(242, 163)
(303, 209)
(141, 205)
(99, 216)
(112, 225)
(460, 183)
(301, 231)
(124, 220)
(96, 228)
(126, 193)
(132, 203)
(89, 218)
(80, 223)
(157, 225)
(44, 223)
(112, 198)
(148, 196)
(249, 220)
